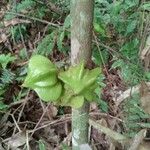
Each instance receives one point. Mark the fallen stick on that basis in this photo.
(126, 94)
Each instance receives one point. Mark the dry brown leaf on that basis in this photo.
(51, 112)
(93, 106)
(1, 147)
(145, 54)
(3, 37)
(2, 12)
(144, 146)
(146, 49)
(4, 124)
(103, 122)
(17, 140)
(145, 97)
(112, 134)
(85, 147)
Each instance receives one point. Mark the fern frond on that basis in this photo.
(5, 59)
(24, 5)
(134, 116)
(6, 77)
(64, 4)
(46, 45)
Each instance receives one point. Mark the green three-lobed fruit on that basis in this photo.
(42, 77)
(79, 84)
(69, 88)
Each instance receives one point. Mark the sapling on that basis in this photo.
(73, 87)
(81, 49)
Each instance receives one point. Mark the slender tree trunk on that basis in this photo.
(81, 42)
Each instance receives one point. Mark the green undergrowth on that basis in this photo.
(118, 28)
(135, 117)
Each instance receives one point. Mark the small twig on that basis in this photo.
(112, 134)
(112, 51)
(63, 120)
(20, 114)
(15, 122)
(100, 53)
(56, 122)
(26, 122)
(44, 112)
(126, 94)
(43, 108)
(27, 140)
(22, 39)
(15, 21)
(105, 115)
(109, 49)
(35, 19)
(143, 35)
(16, 103)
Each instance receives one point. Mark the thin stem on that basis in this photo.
(35, 19)
(81, 45)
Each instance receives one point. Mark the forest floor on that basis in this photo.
(26, 122)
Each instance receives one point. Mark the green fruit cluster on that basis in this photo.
(79, 85)
(68, 88)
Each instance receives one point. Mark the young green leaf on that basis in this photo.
(50, 93)
(66, 96)
(89, 93)
(40, 80)
(99, 29)
(40, 65)
(69, 99)
(76, 102)
(5, 59)
(78, 78)
(41, 72)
